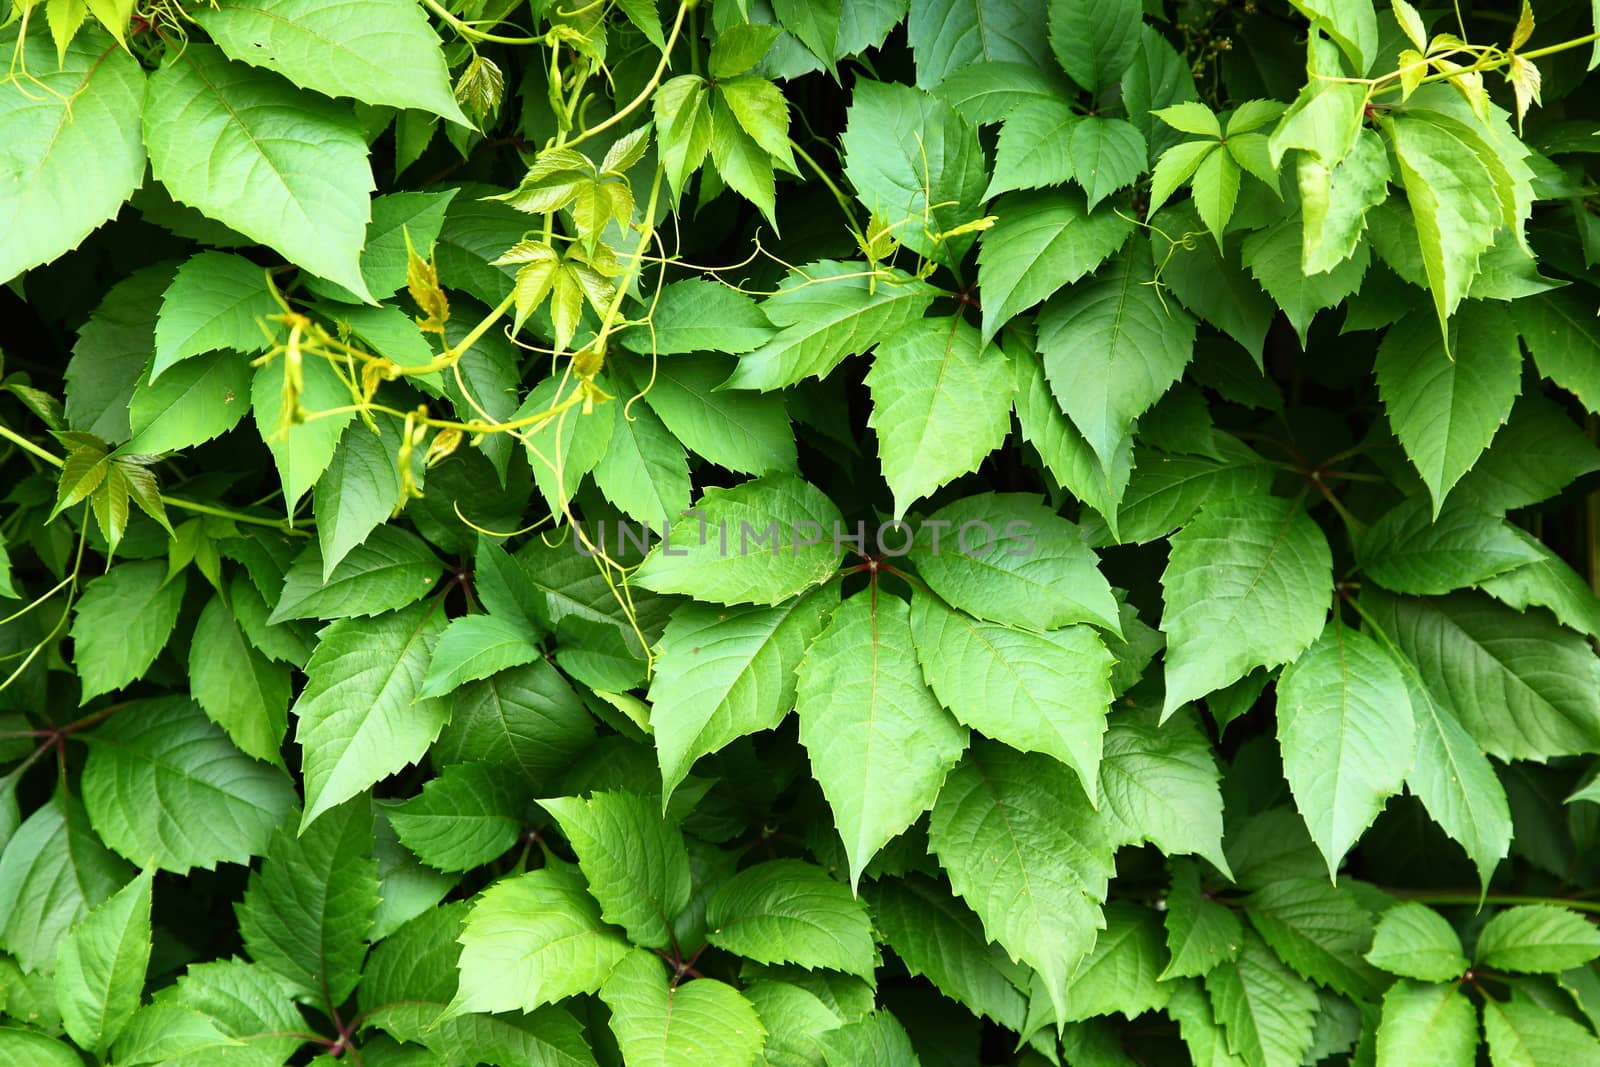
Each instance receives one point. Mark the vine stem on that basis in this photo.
(649, 86)
(1491, 64)
(1423, 896)
(171, 501)
(472, 34)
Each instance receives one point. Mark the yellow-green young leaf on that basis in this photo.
(1176, 166)
(1039, 893)
(1345, 750)
(722, 673)
(1034, 148)
(1267, 1012)
(1191, 116)
(1201, 932)
(155, 764)
(360, 717)
(789, 911)
(1433, 1024)
(1353, 25)
(1524, 1032)
(1143, 345)
(301, 450)
(534, 939)
(682, 110)
(687, 1024)
(1041, 242)
(1415, 941)
(1446, 403)
(240, 689)
(122, 623)
(1274, 257)
(941, 402)
(216, 300)
(826, 311)
(1247, 584)
(1334, 201)
(307, 911)
(377, 51)
(101, 970)
(203, 397)
(1159, 783)
(1008, 558)
(762, 112)
(1094, 40)
(84, 107)
(633, 859)
(880, 744)
(1216, 189)
(740, 160)
(465, 817)
(1037, 692)
(1521, 685)
(1412, 23)
(760, 542)
(1537, 938)
(64, 16)
(304, 195)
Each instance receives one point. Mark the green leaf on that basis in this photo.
(534, 939)
(1522, 686)
(466, 817)
(563, 450)
(740, 431)
(938, 405)
(1191, 116)
(658, 1024)
(1523, 1032)
(742, 163)
(473, 647)
(1548, 582)
(1455, 782)
(1537, 938)
(875, 1038)
(356, 493)
(645, 471)
(760, 542)
(377, 51)
(1201, 1033)
(170, 1034)
(815, 23)
(947, 35)
(1540, 452)
(216, 300)
(723, 673)
(633, 858)
(154, 765)
(122, 623)
(1201, 933)
(1274, 258)
(1143, 344)
(1335, 198)
(1165, 491)
(1446, 404)
(1415, 941)
(1159, 782)
(879, 743)
(1025, 849)
(1409, 552)
(788, 911)
(1034, 148)
(101, 970)
(1007, 558)
(306, 913)
(936, 936)
(986, 91)
(360, 717)
(84, 107)
(1122, 973)
(1094, 40)
(527, 719)
(201, 398)
(700, 315)
(1216, 190)
(683, 127)
(795, 1019)
(1265, 1010)
(740, 47)
(1352, 24)
(1041, 242)
(245, 1001)
(1037, 692)
(1345, 751)
(1562, 335)
(1247, 585)
(52, 872)
(1158, 77)
(301, 450)
(303, 193)
(390, 569)
(1318, 929)
(911, 157)
(1177, 166)
(36, 1049)
(826, 311)
(111, 353)
(1107, 155)
(1453, 197)
(1427, 1023)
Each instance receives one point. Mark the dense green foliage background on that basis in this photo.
(1243, 355)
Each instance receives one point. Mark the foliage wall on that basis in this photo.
(1127, 477)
